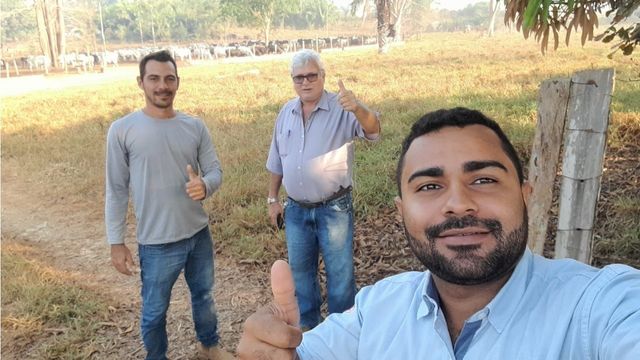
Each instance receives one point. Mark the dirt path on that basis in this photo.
(71, 238)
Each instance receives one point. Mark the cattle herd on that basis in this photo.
(197, 51)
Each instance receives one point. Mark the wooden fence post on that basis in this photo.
(584, 146)
(543, 165)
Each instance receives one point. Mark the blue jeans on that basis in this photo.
(327, 229)
(160, 266)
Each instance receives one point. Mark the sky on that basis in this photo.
(454, 4)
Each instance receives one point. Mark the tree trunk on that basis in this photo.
(140, 30)
(397, 34)
(52, 30)
(62, 39)
(493, 10)
(384, 25)
(365, 12)
(43, 36)
(104, 43)
(153, 32)
(267, 29)
(398, 9)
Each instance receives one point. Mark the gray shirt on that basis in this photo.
(150, 157)
(315, 158)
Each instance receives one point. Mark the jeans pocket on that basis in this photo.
(154, 249)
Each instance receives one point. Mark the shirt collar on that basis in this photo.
(430, 298)
(503, 306)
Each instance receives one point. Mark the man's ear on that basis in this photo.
(527, 189)
(398, 201)
(139, 79)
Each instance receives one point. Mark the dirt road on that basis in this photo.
(70, 238)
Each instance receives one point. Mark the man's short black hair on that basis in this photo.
(161, 56)
(459, 117)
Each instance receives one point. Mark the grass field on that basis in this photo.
(56, 140)
(40, 301)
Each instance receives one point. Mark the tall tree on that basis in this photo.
(50, 20)
(385, 28)
(493, 12)
(62, 38)
(390, 14)
(264, 12)
(545, 17)
(326, 10)
(16, 21)
(366, 9)
(397, 10)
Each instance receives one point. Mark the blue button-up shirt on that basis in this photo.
(315, 157)
(548, 309)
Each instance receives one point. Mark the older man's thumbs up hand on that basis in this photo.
(346, 98)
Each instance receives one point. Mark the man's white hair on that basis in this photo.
(305, 56)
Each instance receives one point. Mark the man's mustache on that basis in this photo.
(492, 225)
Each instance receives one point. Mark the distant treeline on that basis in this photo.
(143, 21)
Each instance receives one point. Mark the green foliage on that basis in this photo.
(17, 20)
(543, 17)
(311, 14)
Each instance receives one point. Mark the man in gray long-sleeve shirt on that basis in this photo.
(168, 161)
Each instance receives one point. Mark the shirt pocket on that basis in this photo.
(284, 143)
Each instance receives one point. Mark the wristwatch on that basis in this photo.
(271, 200)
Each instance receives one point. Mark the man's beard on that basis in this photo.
(160, 103)
(467, 267)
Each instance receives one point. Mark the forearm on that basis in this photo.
(212, 179)
(115, 218)
(368, 119)
(274, 185)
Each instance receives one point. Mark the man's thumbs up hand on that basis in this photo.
(346, 98)
(272, 332)
(195, 187)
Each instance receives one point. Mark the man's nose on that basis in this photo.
(460, 201)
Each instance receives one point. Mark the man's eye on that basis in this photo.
(484, 181)
(428, 187)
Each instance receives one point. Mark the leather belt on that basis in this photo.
(338, 194)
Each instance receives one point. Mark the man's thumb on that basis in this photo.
(284, 292)
(192, 174)
(341, 86)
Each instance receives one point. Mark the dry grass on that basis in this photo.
(56, 140)
(46, 313)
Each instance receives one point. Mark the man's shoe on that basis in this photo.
(214, 353)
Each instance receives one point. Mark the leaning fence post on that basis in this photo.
(584, 147)
(543, 164)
